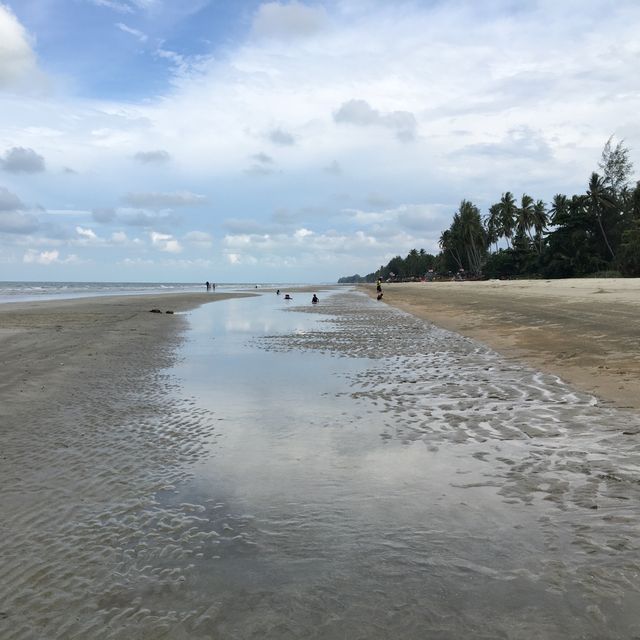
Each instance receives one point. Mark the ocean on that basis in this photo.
(33, 291)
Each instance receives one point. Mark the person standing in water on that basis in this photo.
(314, 300)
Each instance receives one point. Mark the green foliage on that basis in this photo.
(414, 266)
(629, 251)
(501, 264)
(597, 231)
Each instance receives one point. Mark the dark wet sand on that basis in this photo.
(459, 494)
(586, 331)
(88, 433)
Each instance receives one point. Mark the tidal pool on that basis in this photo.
(368, 475)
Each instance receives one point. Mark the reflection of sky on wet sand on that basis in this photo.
(330, 527)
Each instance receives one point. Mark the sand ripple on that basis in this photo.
(543, 444)
(96, 543)
(86, 550)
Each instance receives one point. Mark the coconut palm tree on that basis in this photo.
(599, 200)
(559, 209)
(474, 239)
(493, 225)
(508, 212)
(524, 215)
(447, 245)
(540, 222)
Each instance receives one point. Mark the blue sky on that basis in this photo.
(291, 141)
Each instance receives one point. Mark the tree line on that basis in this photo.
(594, 232)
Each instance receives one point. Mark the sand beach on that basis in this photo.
(83, 431)
(585, 330)
(257, 468)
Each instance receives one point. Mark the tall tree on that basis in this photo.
(474, 240)
(448, 247)
(540, 222)
(524, 215)
(493, 225)
(616, 166)
(508, 213)
(559, 209)
(599, 200)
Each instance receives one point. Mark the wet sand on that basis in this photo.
(368, 476)
(88, 433)
(587, 331)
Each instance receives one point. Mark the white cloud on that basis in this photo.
(155, 200)
(21, 160)
(18, 222)
(288, 20)
(137, 262)
(165, 242)
(121, 7)
(103, 214)
(158, 156)
(119, 237)
(281, 138)
(263, 165)
(199, 239)
(9, 201)
(360, 113)
(18, 64)
(86, 234)
(32, 256)
(125, 6)
(139, 35)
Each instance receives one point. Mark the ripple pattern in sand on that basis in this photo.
(542, 443)
(86, 551)
(97, 548)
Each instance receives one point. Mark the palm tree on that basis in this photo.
(524, 215)
(508, 212)
(447, 245)
(559, 209)
(493, 225)
(474, 239)
(599, 200)
(540, 221)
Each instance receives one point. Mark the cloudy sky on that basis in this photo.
(184, 140)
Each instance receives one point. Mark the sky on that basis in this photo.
(291, 141)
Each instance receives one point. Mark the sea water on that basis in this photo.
(371, 476)
(22, 291)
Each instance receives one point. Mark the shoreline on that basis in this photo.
(586, 331)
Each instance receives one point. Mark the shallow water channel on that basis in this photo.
(372, 476)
